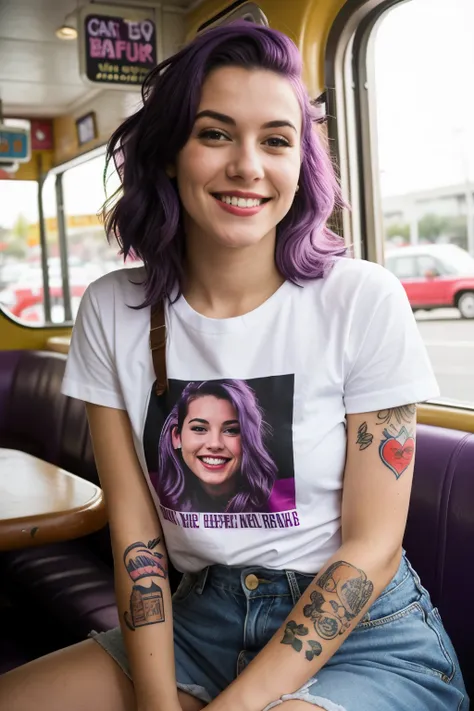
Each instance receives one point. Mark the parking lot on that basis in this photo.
(450, 343)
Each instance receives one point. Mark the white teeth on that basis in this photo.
(213, 460)
(240, 202)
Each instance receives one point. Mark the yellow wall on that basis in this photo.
(307, 22)
(66, 145)
(14, 336)
(29, 171)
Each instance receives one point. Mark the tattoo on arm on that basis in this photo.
(342, 593)
(401, 415)
(364, 438)
(397, 448)
(145, 567)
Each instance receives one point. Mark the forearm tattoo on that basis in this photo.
(341, 594)
(397, 448)
(145, 567)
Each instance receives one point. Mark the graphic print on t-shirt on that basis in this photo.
(221, 456)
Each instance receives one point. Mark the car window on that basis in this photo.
(427, 263)
(404, 267)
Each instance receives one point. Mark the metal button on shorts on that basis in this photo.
(251, 582)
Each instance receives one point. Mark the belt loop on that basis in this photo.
(294, 587)
(201, 580)
(416, 578)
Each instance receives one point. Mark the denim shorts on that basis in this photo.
(398, 658)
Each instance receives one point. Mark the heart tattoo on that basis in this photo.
(396, 451)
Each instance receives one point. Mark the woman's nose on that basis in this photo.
(214, 441)
(246, 163)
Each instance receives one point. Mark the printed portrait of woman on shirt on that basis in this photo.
(212, 456)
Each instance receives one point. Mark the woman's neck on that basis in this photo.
(224, 283)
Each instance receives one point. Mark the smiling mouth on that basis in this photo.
(214, 461)
(240, 202)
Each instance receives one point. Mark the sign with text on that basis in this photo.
(14, 144)
(117, 45)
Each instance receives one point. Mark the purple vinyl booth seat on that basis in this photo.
(71, 584)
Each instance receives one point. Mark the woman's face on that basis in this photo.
(210, 443)
(244, 149)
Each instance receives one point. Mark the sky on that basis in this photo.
(424, 68)
(424, 74)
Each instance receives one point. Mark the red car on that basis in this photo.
(435, 276)
(29, 302)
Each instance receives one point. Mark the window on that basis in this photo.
(74, 259)
(427, 265)
(88, 252)
(420, 64)
(404, 267)
(21, 277)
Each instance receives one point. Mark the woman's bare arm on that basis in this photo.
(377, 484)
(141, 580)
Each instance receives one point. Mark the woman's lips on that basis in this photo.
(240, 211)
(214, 463)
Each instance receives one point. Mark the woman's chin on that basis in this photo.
(215, 485)
(239, 239)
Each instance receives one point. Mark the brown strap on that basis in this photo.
(158, 347)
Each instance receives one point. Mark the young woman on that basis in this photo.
(212, 455)
(226, 193)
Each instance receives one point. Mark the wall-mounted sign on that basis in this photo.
(117, 45)
(41, 134)
(14, 144)
(86, 128)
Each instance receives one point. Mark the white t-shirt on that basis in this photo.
(247, 468)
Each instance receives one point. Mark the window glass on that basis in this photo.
(404, 267)
(427, 263)
(423, 63)
(89, 253)
(20, 283)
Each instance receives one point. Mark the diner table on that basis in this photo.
(42, 503)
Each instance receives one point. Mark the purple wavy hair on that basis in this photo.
(146, 218)
(258, 470)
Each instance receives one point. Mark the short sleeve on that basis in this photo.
(387, 363)
(91, 373)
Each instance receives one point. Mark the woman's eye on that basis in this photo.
(233, 431)
(277, 142)
(198, 429)
(212, 134)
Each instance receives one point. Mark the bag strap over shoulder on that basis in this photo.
(158, 346)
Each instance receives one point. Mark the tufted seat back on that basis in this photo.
(439, 538)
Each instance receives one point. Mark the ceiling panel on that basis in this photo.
(41, 95)
(43, 62)
(33, 20)
(38, 70)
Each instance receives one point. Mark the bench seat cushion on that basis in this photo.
(68, 583)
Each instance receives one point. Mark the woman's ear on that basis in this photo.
(175, 438)
(170, 171)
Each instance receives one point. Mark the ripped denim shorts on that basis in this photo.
(398, 658)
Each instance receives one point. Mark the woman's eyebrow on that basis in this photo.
(231, 422)
(223, 118)
(198, 419)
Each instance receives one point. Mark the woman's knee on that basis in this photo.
(80, 678)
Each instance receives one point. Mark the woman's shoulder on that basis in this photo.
(356, 272)
(349, 278)
(119, 287)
